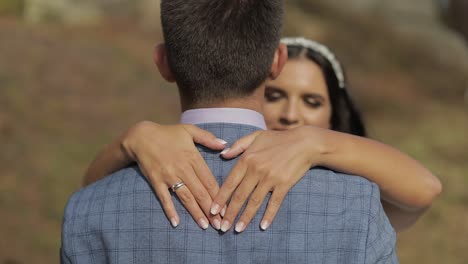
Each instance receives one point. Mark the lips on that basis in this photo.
(280, 128)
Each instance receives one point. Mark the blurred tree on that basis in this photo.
(66, 11)
(11, 7)
(149, 10)
(89, 12)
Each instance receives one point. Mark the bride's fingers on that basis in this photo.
(205, 175)
(255, 201)
(165, 198)
(238, 199)
(201, 195)
(162, 192)
(189, 202)
(240, 146)
(273, 206)
(205, 138)
(229, 185)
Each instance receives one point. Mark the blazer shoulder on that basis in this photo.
(352, 190)
(331, 177)
(85, 198)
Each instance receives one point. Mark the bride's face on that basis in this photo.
(299, 96)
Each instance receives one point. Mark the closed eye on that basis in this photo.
(273, 94)
(313, 100)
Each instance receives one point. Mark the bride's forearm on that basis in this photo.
(110, 159)
(399, 218)
(403, 181)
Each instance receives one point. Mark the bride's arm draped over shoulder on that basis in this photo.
(407, 187)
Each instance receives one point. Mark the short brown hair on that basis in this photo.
(220, 49)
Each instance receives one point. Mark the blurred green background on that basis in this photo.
(75, 74)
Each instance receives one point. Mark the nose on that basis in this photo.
(290, 115)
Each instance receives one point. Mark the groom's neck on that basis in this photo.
(253, 102)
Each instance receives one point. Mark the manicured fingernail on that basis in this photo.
(214, 209)
(225, 227)
(221, 141)
(240, 227)
(223, 212)
(264, 225)
(174, 222)
(217, 224)
(203, 223)
(225, 151)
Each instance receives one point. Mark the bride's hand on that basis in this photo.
(167, 155)
(271, 161)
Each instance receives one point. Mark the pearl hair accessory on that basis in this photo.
(322, 50)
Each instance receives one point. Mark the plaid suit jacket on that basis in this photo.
(327, 217)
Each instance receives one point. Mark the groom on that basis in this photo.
(220, 52)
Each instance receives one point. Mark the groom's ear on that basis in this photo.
(281, 57)
(161, 61)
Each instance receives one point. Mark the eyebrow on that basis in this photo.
(274, 87)
(315, 95)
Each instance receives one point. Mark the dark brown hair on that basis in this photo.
(220, 49)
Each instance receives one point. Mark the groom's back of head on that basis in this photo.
(220, 49)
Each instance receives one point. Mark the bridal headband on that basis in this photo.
(322, 50)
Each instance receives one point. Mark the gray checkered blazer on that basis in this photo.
(327, 217)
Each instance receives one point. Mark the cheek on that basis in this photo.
(271, 112)
(318, 117)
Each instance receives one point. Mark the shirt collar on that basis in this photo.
(223, 115)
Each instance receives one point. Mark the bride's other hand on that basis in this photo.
(272, 161)
(166, 154)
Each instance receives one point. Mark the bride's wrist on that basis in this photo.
(129, 140)
(126, 147)
(320, 144)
